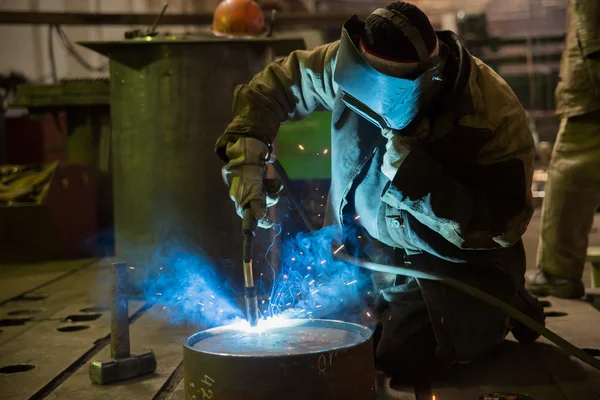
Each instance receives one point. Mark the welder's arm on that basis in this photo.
(287, 89)
(490, 208)
(587, 21)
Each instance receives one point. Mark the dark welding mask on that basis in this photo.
(388, 102)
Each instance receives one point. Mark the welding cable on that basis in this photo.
(480, 295)
(458, 285)
(72, 52)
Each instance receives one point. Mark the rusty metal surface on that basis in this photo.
(302, 365)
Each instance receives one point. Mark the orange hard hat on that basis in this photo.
(238, 18)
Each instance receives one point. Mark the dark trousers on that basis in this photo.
(405, 344)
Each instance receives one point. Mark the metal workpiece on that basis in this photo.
(170, 100)
(302, 359)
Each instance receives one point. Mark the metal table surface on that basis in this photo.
(60, 358)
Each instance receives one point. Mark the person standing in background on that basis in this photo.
(573, 187)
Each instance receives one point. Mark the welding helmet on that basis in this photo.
(238, 18)
(389, 102)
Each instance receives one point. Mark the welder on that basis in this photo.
(431, 159)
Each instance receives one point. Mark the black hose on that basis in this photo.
(288, 191)
(455, 284)
(51, 53)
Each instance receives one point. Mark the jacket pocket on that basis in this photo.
(399, 230)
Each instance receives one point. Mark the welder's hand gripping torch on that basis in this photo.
(249, 225)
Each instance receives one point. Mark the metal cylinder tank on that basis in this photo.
(298, 360)
(170, 99)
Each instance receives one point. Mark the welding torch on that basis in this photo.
(249, 225)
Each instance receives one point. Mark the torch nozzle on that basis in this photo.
(252, 309)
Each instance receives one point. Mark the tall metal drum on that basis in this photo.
(298, 360)
(170, 99)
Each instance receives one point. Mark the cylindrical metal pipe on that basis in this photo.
(304, 359)
(170, 100)
(119, 312)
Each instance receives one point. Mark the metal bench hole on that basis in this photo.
(95, 309)
(592, 352)
(26, 311)
(73, 328)
(15, 369)
(82, 317)
(555, 314)
(32, 297)
(14, 321)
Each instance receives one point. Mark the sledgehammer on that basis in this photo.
(123, 364)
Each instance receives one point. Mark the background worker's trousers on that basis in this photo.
(572, 196)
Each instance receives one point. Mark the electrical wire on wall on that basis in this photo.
(51, 54)
(71, 51)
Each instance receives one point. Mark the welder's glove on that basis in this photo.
(398, 147)
(245, 175)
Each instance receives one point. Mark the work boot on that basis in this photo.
(529, 306)
(545, 284)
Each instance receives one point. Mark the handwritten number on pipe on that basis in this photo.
(208, 381)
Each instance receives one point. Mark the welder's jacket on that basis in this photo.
(578, 90)
(460, 201)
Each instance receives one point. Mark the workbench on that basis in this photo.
(58, 320)
(61, 321)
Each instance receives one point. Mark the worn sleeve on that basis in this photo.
(490, 207)
(287, 89)
(587, 19)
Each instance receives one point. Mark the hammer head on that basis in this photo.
(103, 372)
